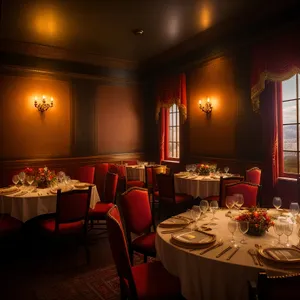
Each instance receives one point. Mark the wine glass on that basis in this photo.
(239, 200)
(232, 227)
(214, 205)
(22, 177)
(30, 180)
(230, 202)
(294, 208)
(288, 230)
(279, 229)
(15, 179)
(243, 227)
(61, 175)
(277, 202)
(226, 169)
(67, 180)
(204, 206)
(197, 211)
(192, 214)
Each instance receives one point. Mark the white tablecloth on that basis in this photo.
(197, 186)
(135, 173)
(207, 277)
(34, 204)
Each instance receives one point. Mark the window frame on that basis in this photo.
(169, 114)
(281, 125)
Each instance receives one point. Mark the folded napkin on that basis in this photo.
(174, 222)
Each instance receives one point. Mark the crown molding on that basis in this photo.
(57, 53)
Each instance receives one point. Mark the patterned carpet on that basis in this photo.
(101, 284)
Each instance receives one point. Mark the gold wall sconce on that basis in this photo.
(207, 107)
(43, 105)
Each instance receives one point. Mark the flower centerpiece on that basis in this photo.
(44, 177)
(29, 171)
(259, 221)
(205, 169)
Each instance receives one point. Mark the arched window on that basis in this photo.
(173, 141)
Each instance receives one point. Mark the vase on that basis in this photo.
(256, 231)
(42, 184)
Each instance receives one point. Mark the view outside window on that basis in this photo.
(290, 121)
(174, 126)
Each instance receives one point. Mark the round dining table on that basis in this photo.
(208, 277)
(135, 172)
(197, 185)
(28, 202)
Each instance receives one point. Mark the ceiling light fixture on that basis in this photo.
(138, 31)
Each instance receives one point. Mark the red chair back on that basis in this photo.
(136, 210)
(166, 187)
(118, 246)
(100, 175)
(223, 183)
(155, 171)
(86, 174)
(110, 189)
(130, 162)
(72, 206)
(253, 175)
(148, 177)
(248, 190)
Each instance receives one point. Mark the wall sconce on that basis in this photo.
(207, 107)
(43, 105)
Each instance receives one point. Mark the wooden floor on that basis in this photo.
(29, 267)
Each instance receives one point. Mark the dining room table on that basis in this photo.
(135, 172)
(207, 276)
(27, 202)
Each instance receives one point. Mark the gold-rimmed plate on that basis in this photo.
(82, 185)
(63, 190)
(174, 222)
(193, 239)
(281, 255)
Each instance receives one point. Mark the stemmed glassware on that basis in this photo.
(288, 230)
(277, 202)
(214, 206)
(15, 179)
(243, 227)
(30, 180)
(239, 200)
(193, 215)
(226, 169)
(279, 229)
(204, 206)
(230, 202)
(232, 227)
(22, 177)
(67, 180)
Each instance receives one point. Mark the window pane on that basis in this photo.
(170, 150)
(170, 119)
(174, 119)
(177, 150)
(290, 162)
(170, 134)
(290, 137)
(289, 88)
(174, 134)
(289, 112)
(177, 131)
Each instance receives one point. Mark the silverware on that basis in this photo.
(258, 247)
(296, 247)
(233, 253)
(250, 251)
(217, 245)
(173, 230)
(223, 252)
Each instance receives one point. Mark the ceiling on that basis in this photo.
(104, 27)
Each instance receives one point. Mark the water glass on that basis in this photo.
(243, 227)
(226, 169)
(30, 179)
(277, 202)
(230, 202)
(239, 200)
(288, 230)
(294, 208)
(204, 206)
(22, 177)
(214, 206)
(279, 229)
(15, 179)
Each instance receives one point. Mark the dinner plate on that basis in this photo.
(63, 190)
(9, 190)
(193, 239)
(73, 181)
(281, 255)
(174, 222)
(81, 185)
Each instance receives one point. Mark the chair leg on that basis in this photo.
(145, 258)
(131, 256)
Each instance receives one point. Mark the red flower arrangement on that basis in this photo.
(204, 169)
(29, 171)
(259, 221)
(43, 177)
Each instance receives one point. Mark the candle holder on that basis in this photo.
(207, 107)
(43, 105)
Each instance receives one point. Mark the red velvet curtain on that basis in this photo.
(270, 107)
(171, 90)
(274, 60)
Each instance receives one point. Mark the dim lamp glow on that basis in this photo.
(207, 107)
(42, 105)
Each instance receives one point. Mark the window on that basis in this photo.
(174, 129)
(291, 125)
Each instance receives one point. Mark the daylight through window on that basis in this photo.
(174, 128)
(290, 123)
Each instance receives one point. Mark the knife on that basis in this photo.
(217, 245)
(223, 252)
(234, 252)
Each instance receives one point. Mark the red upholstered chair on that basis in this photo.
(100, 174)
(144, 281)
(101, 208)
(85, 174)
(9, 226)
(275, 287)
(167, 195)
(253, 175)
(148, 179)
(138, 220)
(223, 182)
(250, 192)
(130, 162)
(71, 217)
